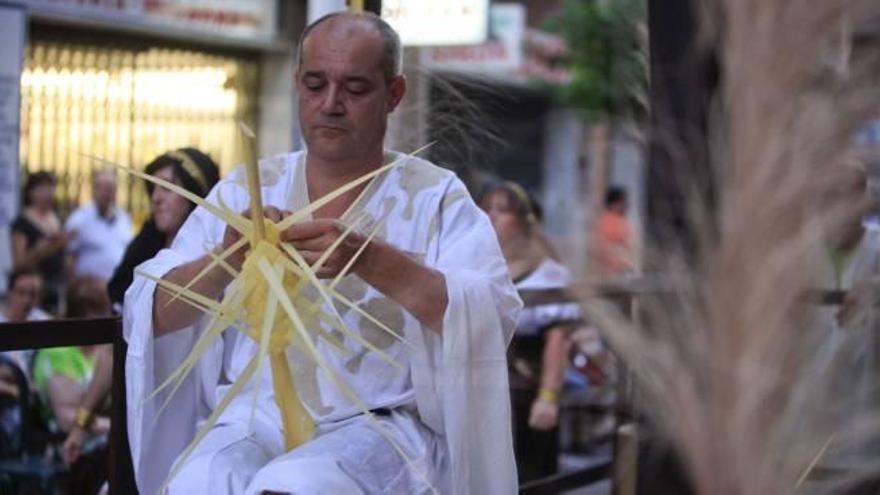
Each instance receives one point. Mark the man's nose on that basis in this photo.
(332, 104)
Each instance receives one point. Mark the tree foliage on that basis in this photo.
(607, 57)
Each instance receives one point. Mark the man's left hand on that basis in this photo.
(313, 238)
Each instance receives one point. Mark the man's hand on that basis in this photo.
(419, 289)
(313, 238)
(231, 236)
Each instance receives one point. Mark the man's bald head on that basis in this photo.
(350, 23)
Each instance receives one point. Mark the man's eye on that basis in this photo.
(356, 88)
(313, 85)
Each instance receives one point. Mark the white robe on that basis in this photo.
(453, 391)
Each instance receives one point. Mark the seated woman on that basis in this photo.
(62, 374)
(197, 173)
(538, 353)
(25, 292)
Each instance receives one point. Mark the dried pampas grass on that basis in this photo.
(751, 382)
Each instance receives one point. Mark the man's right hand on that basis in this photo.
(171, 315)
(231, 236)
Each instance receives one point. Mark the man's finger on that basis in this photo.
(310, 257)
(326, 273)
(317, 244)
(307, 230)
(272, 213)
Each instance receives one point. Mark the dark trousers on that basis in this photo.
(537, 452)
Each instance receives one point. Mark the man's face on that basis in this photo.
(344, 100)
(25, 294)
(104, 190)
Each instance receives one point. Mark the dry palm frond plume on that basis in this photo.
(753, 383)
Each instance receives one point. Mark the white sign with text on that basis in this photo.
(438, 22)
(501, 53)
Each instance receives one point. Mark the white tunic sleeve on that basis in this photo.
(157, 436)
(461, 377)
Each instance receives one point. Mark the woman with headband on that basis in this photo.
(197, 173)
(539, 349)
(186, 167)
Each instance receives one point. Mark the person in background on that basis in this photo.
(24, 292)
(103, 230)
(63, 373)
(38, 241)
(187, 167)
(539, 350)
(613, 245)
(169, 212)
(25, 289)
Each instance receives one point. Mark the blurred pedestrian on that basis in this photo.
(538, 353)
(38, 241)
(101, 229)
(62, 376)
(24, 292)
(25, 289)
(612, 247)
(62, 373)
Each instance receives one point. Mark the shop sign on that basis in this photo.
(438, 22)
(502, 52)
(238, 18)
(246, 19)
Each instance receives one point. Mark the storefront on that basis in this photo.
(127, 80)
(127, 101)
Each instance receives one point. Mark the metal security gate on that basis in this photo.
(128, 103)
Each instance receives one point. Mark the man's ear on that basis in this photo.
(396, 90)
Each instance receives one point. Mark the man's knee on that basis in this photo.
(293, 475)
(225, 471)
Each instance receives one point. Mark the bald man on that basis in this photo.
(102, 230)
(434, 274)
